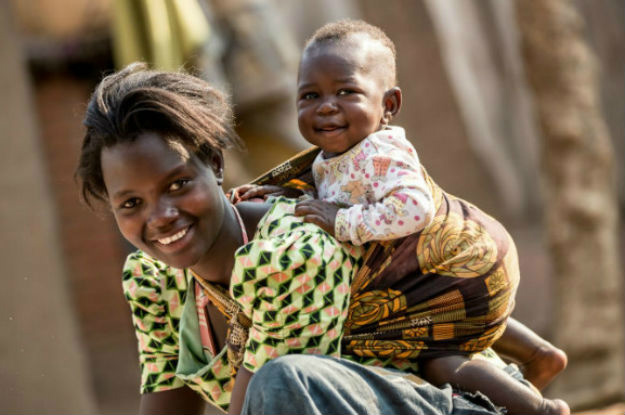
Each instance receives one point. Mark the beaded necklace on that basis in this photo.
(238, 322)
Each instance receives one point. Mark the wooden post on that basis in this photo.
(581, 209)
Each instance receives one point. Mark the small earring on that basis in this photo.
(388, 116)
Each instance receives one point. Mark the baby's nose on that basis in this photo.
(327, 106)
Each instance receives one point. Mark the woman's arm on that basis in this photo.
(292, 281)
(174, 401)
(238, 392)
(148, 294)
(252, 212)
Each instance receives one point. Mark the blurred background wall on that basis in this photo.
(67, 343)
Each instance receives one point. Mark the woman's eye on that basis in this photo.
(131, 203)
(178, 184)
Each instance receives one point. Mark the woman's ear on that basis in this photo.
(216, 162)
(392, 104)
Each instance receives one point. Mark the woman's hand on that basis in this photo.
(253, 192)
(322, 214)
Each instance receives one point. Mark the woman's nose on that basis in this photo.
(162, 215)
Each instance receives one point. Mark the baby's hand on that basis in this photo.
(252, 192)
(322, 214)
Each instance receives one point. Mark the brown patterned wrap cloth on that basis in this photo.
(447, 289)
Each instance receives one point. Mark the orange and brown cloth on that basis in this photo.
(446, 289)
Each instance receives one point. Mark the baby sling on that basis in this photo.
(447, 289)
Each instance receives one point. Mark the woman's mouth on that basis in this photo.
(173, 238)
(174, 242)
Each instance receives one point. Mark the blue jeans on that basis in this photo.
(307, 384)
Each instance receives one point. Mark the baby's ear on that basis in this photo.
(392, 104)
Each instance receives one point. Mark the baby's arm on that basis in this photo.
(403, 204)
(252, 192)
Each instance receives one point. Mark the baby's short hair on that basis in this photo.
(341, 29)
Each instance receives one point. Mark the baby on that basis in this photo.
(371, 187)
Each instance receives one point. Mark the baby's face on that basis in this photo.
(340, 97)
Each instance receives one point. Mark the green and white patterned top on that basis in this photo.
(293, 281)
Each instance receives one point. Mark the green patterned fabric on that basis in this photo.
(300, 277)
(163, 309)
(293, 281)
(155, 294)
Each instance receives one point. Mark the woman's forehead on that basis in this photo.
(178, 147)
(150, 145)
(147, 159)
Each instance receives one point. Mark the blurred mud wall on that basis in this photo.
(67, 49)
(44, 365)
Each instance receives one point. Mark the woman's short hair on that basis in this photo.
(136, 100)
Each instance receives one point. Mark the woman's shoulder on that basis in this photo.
(281, 230)
(141, 265)
(145, 276)
(279, 219)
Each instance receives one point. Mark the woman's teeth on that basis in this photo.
(173, 238)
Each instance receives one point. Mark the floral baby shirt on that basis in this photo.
(381, 185)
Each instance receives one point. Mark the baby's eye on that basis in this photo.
(345, 92)
(309, 95)
(130, 203)
(178, 184)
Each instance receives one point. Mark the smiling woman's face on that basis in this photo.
(166, 201)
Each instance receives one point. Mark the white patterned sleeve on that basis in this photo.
(403, 202)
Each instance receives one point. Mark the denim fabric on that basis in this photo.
(307, 384)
